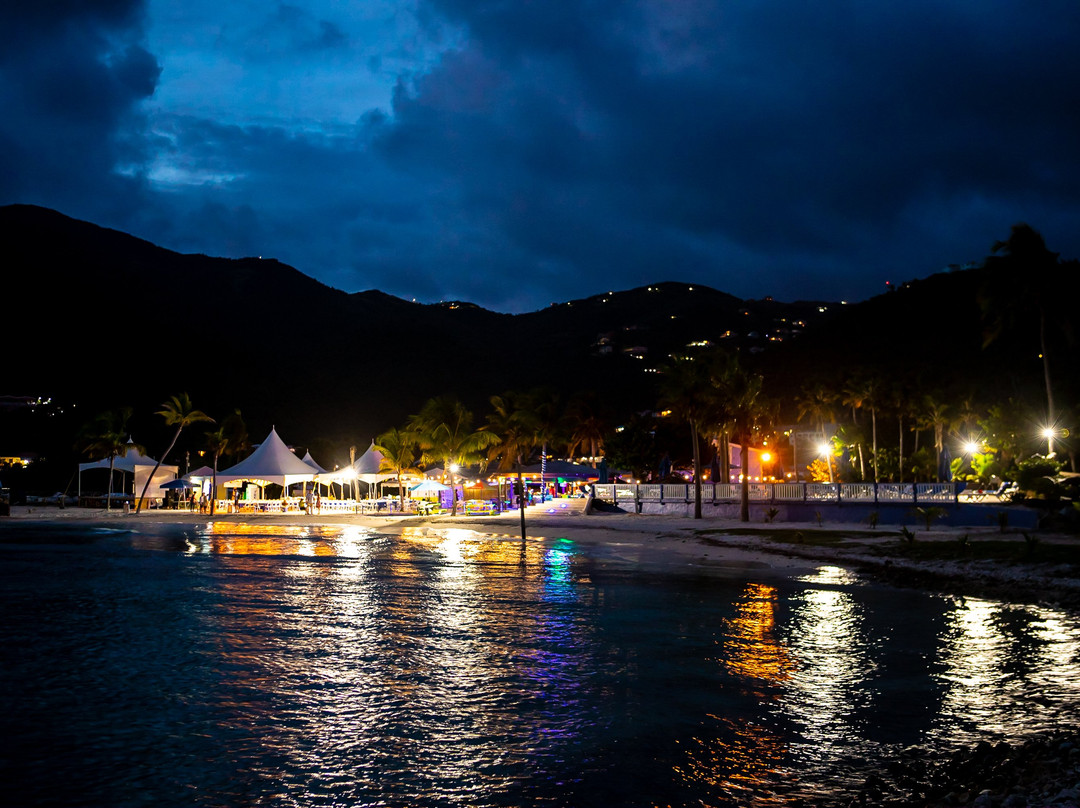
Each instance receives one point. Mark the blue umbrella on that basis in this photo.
(178, 484)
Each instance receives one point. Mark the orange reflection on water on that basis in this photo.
(737, 762)
(752, 651)
(238, 538)
(458, 545)
(735, 756)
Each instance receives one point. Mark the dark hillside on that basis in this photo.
(100, 319)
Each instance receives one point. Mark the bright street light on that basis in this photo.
(1049, 433)
(971, 447)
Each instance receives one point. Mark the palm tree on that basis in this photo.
(513, 423)
(179, 412)
(935, 415)
(229, 438)
(444, 432)
(587, 425)
(816, 404)
(902, 406)
(399, 450)
(868, 391)
(689, 392)
(746, 410)
(1021, 283)
(854, 397)
(547, 415)
(217, 443)
(106, 436)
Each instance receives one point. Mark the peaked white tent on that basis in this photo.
(369, 466)
(271, 462)
(139, 465)
(311, 462)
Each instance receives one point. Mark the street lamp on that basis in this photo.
(1049, 433)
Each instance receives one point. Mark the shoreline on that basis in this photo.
(670, 543)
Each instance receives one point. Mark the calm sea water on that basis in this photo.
(234, 665)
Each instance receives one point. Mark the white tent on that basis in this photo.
(311, 462)
(369, 466)
(271, 462)
(138, 464)
(365, 468)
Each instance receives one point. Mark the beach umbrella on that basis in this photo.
(177, 484)
(428, 488)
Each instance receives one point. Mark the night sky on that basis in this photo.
(520, 152)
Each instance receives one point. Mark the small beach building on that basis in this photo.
(140, 467)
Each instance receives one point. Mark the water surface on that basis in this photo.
(269, 665)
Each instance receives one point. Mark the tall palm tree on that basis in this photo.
(514, 424)
(902, 406)
(586, 424)
(869, 392)
(399, 450)
(444, 432)
(816, 404)
(746, 410)
(179, 412)
(935, 415)
(229, 438)
(854, 397)
(1022, 284)
(106, 436)
(547, 414)
(689, 392)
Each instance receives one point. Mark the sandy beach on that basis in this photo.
(672, 543)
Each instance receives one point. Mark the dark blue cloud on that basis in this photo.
(71, 78)
(537, 151)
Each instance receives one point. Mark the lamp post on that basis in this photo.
(825, 450)
(1048, 433)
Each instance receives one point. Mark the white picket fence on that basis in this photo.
(779, 492)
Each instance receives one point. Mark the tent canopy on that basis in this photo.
(369, 466)
(138, 464)
(366, 468)
(311, 462)
(271, 462)
(129, 462)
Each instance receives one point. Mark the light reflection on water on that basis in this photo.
(310, 666)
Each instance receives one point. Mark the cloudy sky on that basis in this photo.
(519, 152)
